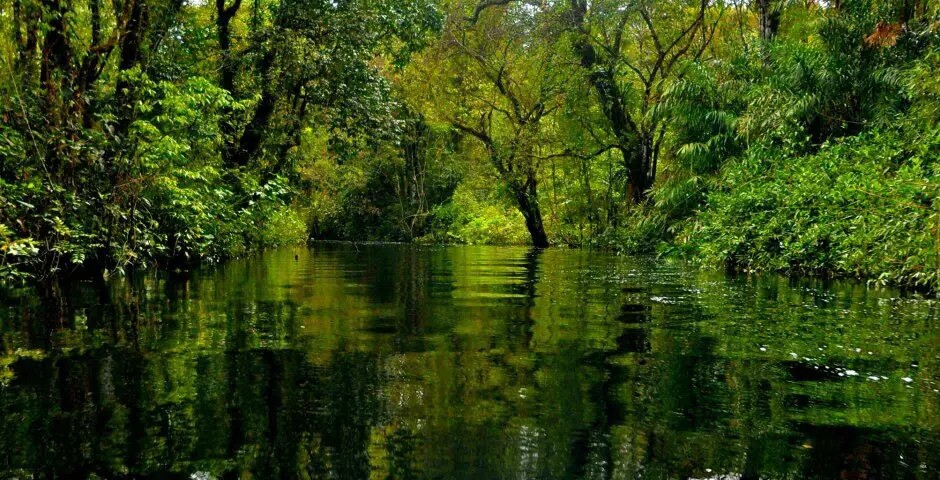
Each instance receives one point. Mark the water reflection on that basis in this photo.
(432, 362)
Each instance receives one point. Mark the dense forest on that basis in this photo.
(774, 135)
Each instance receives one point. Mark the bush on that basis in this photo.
(471, 220)
(15, 253)
(644, 231)
(865, 206)
(161, 197)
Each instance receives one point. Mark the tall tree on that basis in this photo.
(315, 57)
(631, 53)
(507, 86)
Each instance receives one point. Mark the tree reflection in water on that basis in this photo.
(463, 362)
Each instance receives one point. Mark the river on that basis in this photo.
(349, 362)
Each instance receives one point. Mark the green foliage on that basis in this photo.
(801, 137)
(15, 253)
(812, 155)
(142, 131)
(865, 206)
(162, 198)
(642, 233)
(383, 193)
(184, 206)
(474, 219)
(922, 86)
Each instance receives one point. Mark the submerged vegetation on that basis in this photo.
(765, 135)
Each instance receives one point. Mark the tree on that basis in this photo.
(309, 58)
(631, 54)
(120, 119)
(768, 16)
(502, 71)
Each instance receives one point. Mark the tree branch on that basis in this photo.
(482, 6)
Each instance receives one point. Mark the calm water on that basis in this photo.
(464, 362)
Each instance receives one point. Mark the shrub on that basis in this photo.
(865, 206)
(476, 221)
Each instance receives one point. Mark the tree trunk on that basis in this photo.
(56, 62)
(293, 139)
(602, 79)
(528, 203)
(252, 137)
(768, 20)
(636, 184)
(227, 75)
(28, 51)
(131, 56)
(222, 21)
(638, 162)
